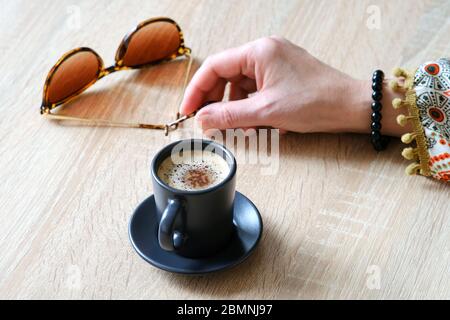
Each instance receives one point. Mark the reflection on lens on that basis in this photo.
(153, 42)
(72, 75)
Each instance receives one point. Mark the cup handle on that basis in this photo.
(166, 232)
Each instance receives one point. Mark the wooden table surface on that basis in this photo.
(341, 221)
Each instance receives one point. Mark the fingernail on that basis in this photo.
(205, 112)
(202, 118)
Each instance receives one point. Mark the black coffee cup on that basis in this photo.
(195, 223)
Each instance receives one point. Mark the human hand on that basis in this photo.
(278, 84)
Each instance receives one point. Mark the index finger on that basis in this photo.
(231, 64)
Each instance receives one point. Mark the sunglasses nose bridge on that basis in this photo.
(110, 70)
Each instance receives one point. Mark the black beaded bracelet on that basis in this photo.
(379, 141)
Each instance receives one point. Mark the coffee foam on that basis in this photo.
(195, 170)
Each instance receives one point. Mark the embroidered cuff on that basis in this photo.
(427, 100)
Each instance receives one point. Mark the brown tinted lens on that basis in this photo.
(72, 75)
(153, 42)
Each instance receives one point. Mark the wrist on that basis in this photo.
(356, 115)
(356, 106)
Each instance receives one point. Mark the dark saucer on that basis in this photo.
(143, 235)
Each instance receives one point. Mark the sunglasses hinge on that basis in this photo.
(45, 109)
(186, 51)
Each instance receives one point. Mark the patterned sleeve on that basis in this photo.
(427, 108)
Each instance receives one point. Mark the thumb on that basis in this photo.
(230, 114)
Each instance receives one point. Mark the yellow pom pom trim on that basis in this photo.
(419, 152)
(408, 137)
(409, 153)
(413, 168)
(399, 72)
(393, 84)
(397, 103)
(402, 119)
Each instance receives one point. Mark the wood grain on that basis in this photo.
(336, 214)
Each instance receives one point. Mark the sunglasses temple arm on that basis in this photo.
(174, 124)
(185, 83)
(107, 122)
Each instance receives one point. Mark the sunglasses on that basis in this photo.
(152, 42)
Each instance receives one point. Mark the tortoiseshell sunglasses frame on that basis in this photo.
(47, 106)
